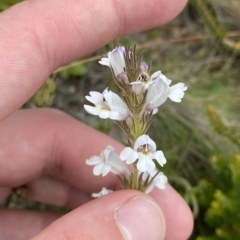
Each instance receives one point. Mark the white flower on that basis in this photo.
(103, 192)
(159, 90)
(144, 151)
(159, 181)
(116, 104)
(108, 161)
(157, 94)
(115, 60)
(107, 105)
(176, 92)
(144, 81)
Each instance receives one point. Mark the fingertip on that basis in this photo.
(178, 215)
(40, 36)
(151, 14)
(121, 215)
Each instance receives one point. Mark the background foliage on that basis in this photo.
(200, 136)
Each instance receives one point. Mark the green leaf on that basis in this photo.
(78, 70)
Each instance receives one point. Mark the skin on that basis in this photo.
(45, 149)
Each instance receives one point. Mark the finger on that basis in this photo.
(57, 148)
(58, 193)
(176, 212)
(48, 142)
(131, 214)
(39, 36)
(22, 225)
(177, 215)
(165, 198)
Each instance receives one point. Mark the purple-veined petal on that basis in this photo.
(117, 60)
(143, 140)
(159, 156)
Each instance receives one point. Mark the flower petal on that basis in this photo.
(160, 181)
(137, 87)
(95, 94)
(114, 115)
(176, 92)
(157, 94)
(159, 156)
(155, 75)
(117, 166)
(155, 110)
(103, 192)
(144, 66)
(94, 160)
(97, 170)
(143, 140)
(105, 61)
(117, 60)
(92, 110)
(116, 104)
(129, 155)
(145, 163)
(106, 169)
(104, 114)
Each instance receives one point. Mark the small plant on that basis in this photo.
(220, 200)
(142, 95)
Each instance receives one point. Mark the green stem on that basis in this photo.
(135, 178)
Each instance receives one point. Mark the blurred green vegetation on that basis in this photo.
(219, 200)
(4, 4)
(201, 49)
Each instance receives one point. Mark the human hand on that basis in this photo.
(46, 149)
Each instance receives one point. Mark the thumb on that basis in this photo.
(120, 215)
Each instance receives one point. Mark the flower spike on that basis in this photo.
(142, 93)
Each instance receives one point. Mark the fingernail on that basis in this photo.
(141, 219)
